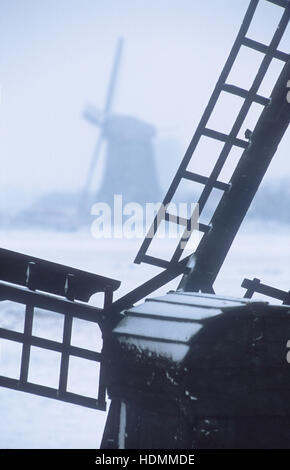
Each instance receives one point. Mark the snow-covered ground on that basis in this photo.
(28, 421)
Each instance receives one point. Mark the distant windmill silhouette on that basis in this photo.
(130, 166)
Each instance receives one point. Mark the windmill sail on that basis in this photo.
(231, 141)
(106, 112)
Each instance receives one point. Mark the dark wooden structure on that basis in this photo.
(189, 371)
(38, 283)
(256, 286)
(259, 147)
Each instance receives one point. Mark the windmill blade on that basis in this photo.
(107, 109)
(106, 112)
(85, 194)
(236, 193)
(113, 79)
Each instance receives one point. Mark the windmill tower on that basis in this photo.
(129, 154)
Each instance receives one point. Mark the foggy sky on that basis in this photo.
(56, 57)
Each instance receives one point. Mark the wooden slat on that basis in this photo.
(235, 90)
(26, 343)
(280, 3)
(51, 277)
(64, 365)
(258, 46)
(255, 285)
(50, 302)
(49, 392)
(176, 219)
(189, 175)
(51, 345)
(225, 138)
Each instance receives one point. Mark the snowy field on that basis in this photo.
(28, 421)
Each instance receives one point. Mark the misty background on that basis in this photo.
(56, 58)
